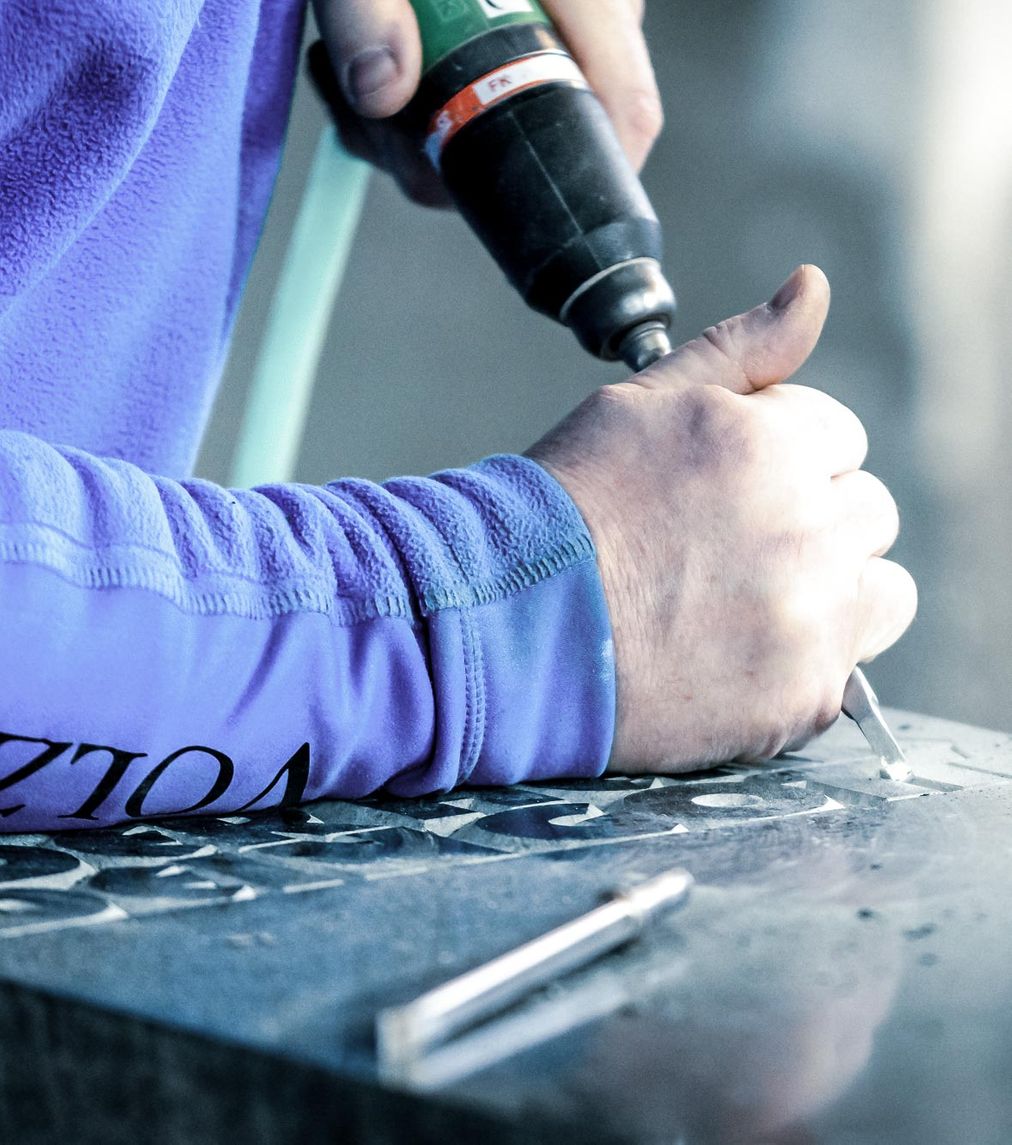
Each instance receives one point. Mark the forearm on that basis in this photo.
(181, 648)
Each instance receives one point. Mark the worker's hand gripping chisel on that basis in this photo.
(530, 157)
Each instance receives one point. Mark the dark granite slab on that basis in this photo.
(839, 975)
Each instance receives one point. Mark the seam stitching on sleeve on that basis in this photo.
(474, 675)
(74, 566)
(525, 575)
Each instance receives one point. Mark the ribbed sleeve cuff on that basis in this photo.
(530, 648)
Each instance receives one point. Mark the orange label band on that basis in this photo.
(509, 80)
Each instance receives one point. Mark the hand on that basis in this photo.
(738, 540)
(376, 52)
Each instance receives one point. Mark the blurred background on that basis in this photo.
(874, 139)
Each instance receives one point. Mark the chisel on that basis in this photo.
(861, 704)
(405, 1033)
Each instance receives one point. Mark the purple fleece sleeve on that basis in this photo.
(173, 647)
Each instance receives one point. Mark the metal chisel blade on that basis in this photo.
(861, 704)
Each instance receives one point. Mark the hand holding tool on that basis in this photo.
(532, 161)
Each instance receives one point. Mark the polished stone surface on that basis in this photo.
(839, 974)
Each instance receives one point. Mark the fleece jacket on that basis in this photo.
(169, 646)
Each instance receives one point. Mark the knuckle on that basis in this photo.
(826, 711)
(817, 709)
(720, 336)
(837, 417)
(713, 409)
(877, 488)
(859, 431)
(798, 604)
(879, 502)
(893, 583)
(793, 715)
(609, 418)
(722, 340)
(619, 401)
(890, 513)
(644, 114)
(717, 430)
(886, 498)
(906, 591)
(788, 616)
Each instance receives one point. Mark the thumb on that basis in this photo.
(375, 49)
(755, 349)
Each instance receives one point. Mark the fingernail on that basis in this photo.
(789, 291)
(369, 72)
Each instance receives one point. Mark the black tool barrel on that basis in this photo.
(532, 161)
